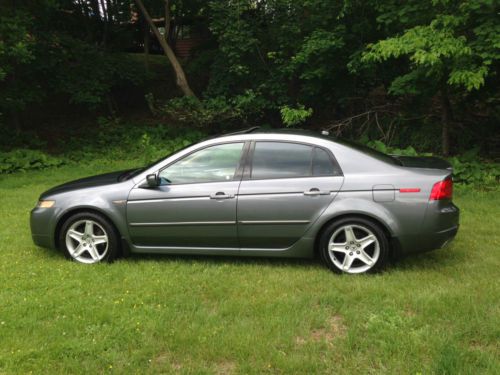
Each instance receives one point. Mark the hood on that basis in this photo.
(87, 182)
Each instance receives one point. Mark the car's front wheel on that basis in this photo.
(354, 245)
(89, 238)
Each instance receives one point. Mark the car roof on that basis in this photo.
(256, 130)
(259, 130)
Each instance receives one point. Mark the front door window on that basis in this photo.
(212, 164)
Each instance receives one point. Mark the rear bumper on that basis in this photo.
(439, 228)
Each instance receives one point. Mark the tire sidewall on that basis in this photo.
(113, 243)
(375, 228)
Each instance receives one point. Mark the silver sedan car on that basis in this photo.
(257, 193)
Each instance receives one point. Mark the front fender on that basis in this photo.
(109, 202)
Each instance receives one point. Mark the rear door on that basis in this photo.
(285, 188)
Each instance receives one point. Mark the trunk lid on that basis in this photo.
(430, 162)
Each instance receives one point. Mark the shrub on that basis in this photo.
(469, 169)
(216, 111)
(23, 160)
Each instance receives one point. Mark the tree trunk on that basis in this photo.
(181, 79)
(446, 121)
(167, 19)
(147, 44)
(105, 20)
(95, 9)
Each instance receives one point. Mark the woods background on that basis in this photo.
(405, 76)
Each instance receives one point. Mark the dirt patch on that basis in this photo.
(225, 368)
(410, 313)
(335, 328)
(165, 359)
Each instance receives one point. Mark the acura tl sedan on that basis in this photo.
(257, 193)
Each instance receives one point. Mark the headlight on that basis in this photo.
(46, 204)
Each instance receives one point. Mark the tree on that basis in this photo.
(16, 51)
(452, 51)
(181, 79)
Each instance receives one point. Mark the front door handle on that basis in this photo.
(316, 191)
(221, 195)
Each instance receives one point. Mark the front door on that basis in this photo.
(195, 204)
(287, 187)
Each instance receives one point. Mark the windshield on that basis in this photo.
(134, 172)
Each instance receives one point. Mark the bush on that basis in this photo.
(117, 139)
(469, 169)
(22, 160)
(217, 111)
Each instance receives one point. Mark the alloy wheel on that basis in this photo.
(353, 248)
(87, 241)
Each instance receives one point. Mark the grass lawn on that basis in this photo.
(433, 313)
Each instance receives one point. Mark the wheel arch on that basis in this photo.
(385, 228)
(64, 217)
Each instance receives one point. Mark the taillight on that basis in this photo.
(442, 190)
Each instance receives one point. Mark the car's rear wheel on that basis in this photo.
(89, 238)
(354, 245)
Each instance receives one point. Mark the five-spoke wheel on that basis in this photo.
(89, 238)
(354, 245)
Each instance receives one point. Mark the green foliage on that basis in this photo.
(10, 139)
(119, 140)
(294, 116)
(191, 111)
(87, 76)
(16, 51)
(219, 111)
(42, 57)
(454, 44)
(470, 169)
(258, 60)
(22, 160)
(15, 43)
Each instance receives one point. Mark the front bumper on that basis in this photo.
(41, 220)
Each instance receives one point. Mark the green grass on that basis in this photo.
(432, 313)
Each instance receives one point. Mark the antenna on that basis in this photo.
(244, 131)
(251, 130)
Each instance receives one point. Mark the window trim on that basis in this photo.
(248, 168)
(237, 173)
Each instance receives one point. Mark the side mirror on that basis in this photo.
(152, 180)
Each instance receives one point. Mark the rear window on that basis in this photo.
(290, 160)
(322, 163)
(369, 151)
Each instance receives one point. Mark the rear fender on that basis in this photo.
(357, 203)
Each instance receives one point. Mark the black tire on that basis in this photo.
(112, 249)
(359, 223)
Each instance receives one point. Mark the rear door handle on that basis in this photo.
(221, 195)
(316, 191)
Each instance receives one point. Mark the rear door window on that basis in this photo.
(281, 160)
(291, 160)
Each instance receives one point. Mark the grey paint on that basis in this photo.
(273, 217)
